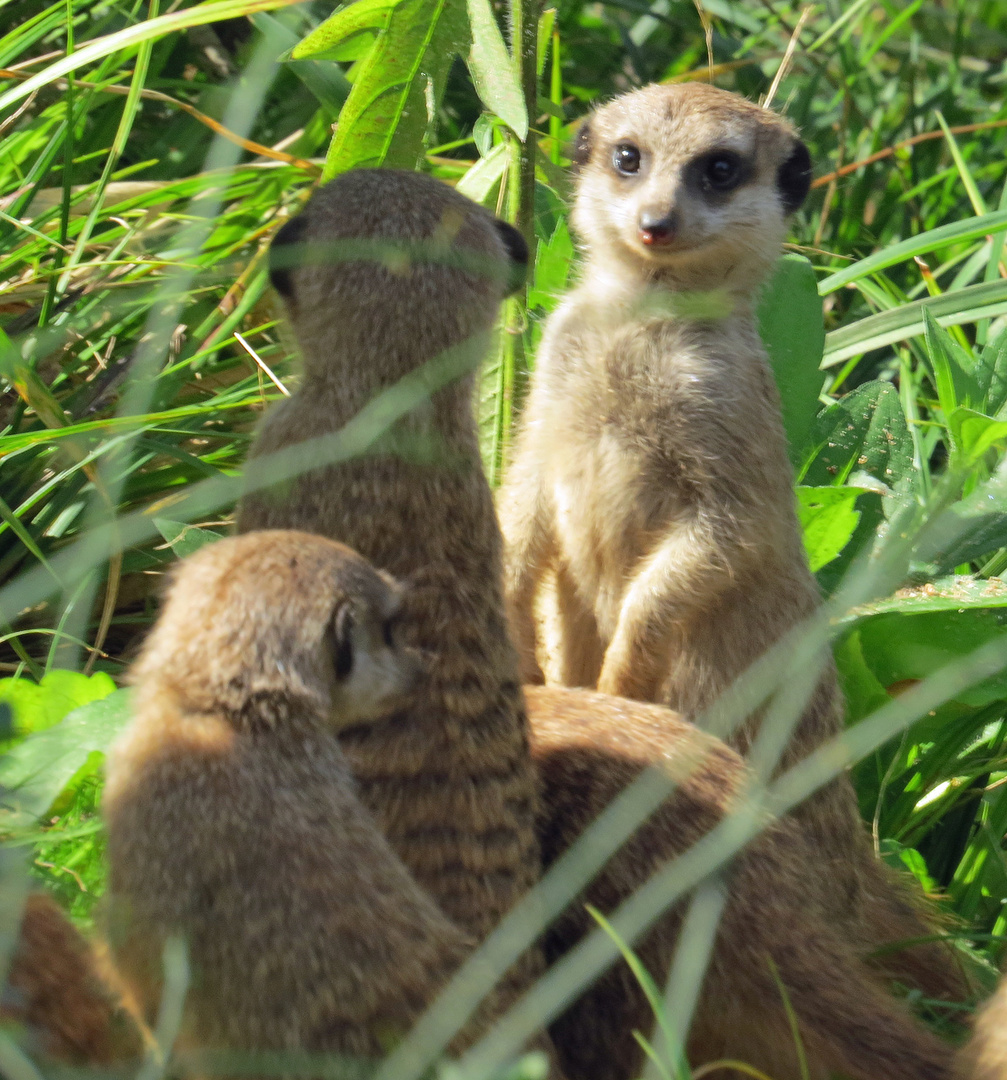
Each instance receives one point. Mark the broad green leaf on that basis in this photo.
(348, 34)
(396, 84)
(793, 329)
(829, 518)
(950, 309)
(184, 539)
(955, 593)
(553, 261)
(991, 373)
(951, 368)
(902, 646)
(974, 434)
(37, 706)
(35, 772)
(956, 232)
(492, 69)
(865, 431)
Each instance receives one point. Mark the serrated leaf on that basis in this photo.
(553, 262)
(829, 518)
(792, 327)
(492, 69)
(35, 772)
(950, 367)
(865, 431)
(385, 118)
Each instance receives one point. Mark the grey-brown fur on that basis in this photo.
(651, 481)
(233, 819)
(449, 778)
(588, 747)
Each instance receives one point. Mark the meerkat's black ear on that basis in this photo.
(517, 249)
(283, 255)
(794, 177)
(342, 634)
(582, 144)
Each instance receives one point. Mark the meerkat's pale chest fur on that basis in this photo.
(233, 818)
(651, 475)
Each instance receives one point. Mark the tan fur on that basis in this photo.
(651, 473)
(232, 816)
(589, 747)
(60, 991)
(985, 1055)
(449, 779)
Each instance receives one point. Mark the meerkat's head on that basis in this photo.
(275, 624)
(395, 264)
(690, 184)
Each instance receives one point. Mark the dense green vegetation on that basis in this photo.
(149, 151)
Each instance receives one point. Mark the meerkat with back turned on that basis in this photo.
(651, 475)
(232, 816)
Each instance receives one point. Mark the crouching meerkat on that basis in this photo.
(383, 274)
(651, 475)
(64, 996)
(588, 748)
(233, 820)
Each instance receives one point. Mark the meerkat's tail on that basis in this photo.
(850, 1023)
(893, 919)
(63, 997)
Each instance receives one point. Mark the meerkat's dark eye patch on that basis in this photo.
(794, 177)
(582, 145)
(626, 158)
(342, 630)
(517, 249)
(721, 171)
(281, 262)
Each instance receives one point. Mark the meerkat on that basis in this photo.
(63, 995)
(449, 778)
(361, 328)
(651, 475)
(588, 747)
(984, 1057)
(233, 820)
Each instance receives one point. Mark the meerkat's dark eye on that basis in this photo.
(722, 172)
(626, 158)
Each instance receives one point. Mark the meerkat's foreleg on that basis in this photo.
(580, 652)
(530, 545)
(661, 595)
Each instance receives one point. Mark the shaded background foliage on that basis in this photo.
(140, 341)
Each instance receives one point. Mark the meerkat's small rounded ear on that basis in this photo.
(342, 633)
(582, 144)
(517, 249)
(794, 177)
(283, 255)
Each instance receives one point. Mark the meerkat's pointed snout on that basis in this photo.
(659, 228)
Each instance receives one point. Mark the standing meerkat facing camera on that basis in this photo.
(383, 274)
(232, 817)
(651, 480)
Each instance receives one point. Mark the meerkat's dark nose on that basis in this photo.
(656, 231)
